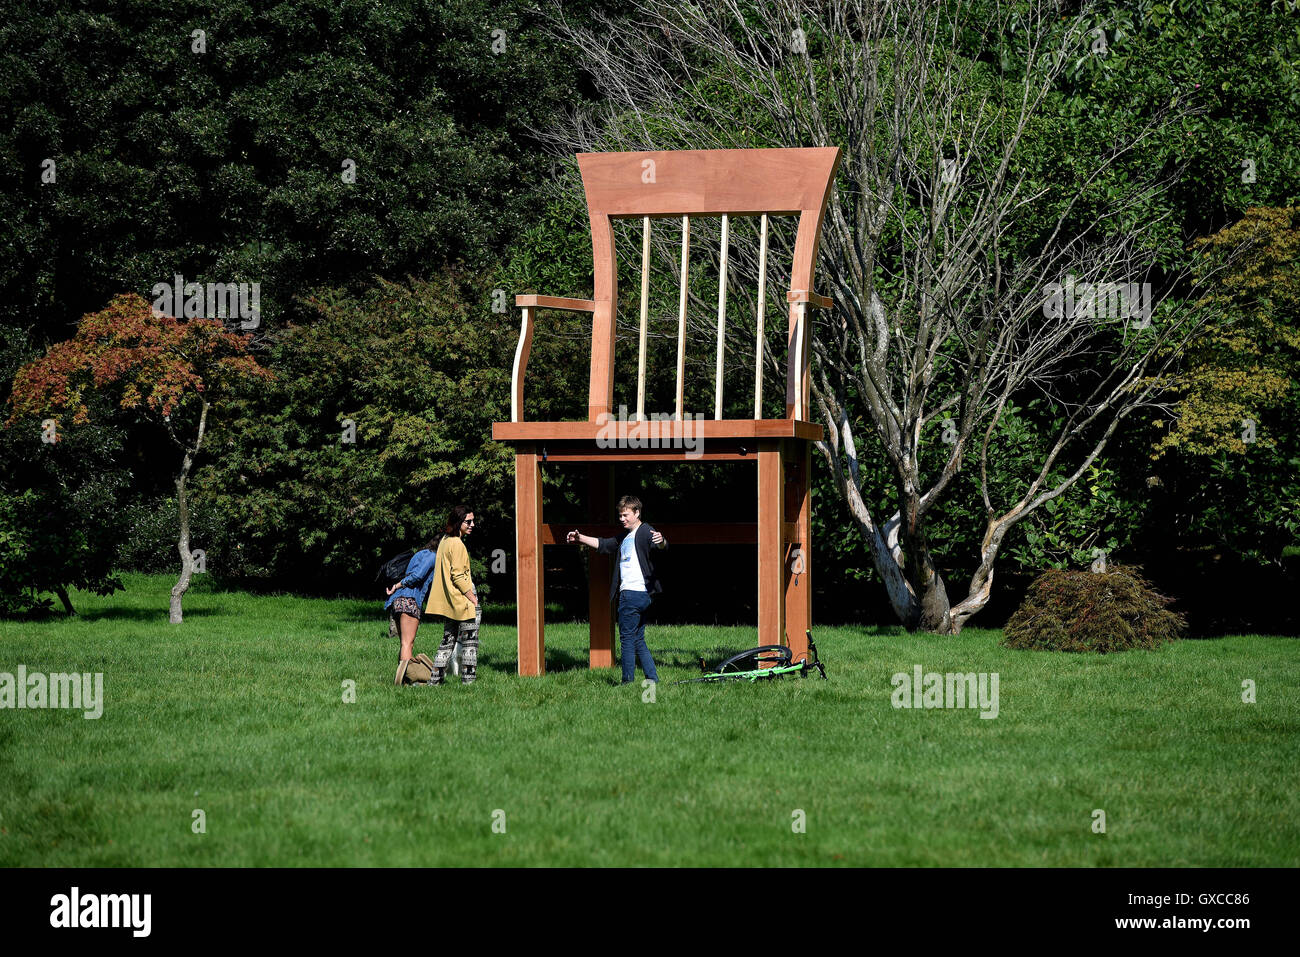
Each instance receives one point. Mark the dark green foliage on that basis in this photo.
(1114, 610)
(149, 533)
(227, 163)
(422, 371)
(59, 526)
(59, 503)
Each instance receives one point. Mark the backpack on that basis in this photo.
(394, 570)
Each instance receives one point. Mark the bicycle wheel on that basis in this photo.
(764, 656)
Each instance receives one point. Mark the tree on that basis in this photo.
(380, 420)
(970, 209)
(60, 503)
(59, 525)
(1248, 361)
(171, 370)
(1232, 443)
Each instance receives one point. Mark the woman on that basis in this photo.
(453, 599)
(406, 598)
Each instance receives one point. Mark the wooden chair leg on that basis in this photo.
(600, 503)
(529, 568)
(798, 567)
(771, 551)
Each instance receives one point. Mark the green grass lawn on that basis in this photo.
(240, 712)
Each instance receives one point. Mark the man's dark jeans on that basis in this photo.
(632, 606)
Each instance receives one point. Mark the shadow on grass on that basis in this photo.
(559, 660)
(492, 614)
(110, 614)
(556, 661)
(146, 614)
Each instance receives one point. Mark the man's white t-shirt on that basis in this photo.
(629, 566)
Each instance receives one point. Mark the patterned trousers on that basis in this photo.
(466, 632)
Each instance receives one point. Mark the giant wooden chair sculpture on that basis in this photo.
(692, 183)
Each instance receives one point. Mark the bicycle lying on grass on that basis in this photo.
(763, 662)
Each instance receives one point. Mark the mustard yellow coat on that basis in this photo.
(449, 593)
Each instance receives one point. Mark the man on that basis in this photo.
(634, 581)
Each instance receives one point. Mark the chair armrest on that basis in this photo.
(555, 302)
(807, 295)
(528, 303)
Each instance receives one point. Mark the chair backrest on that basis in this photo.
(687, 183)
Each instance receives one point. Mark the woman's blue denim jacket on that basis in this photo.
(419, 577)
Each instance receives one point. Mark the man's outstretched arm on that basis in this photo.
(581, 539)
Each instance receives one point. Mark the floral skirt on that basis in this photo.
(405, 606)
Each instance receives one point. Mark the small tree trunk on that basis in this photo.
(67, 602)
(183, 513)
(183, 545)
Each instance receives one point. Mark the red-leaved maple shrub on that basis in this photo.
(168, 369)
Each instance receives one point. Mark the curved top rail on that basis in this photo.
(708, 182)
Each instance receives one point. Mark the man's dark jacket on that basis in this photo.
(610, 546)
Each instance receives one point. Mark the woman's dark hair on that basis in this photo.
(453, 527)
(454, 520)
